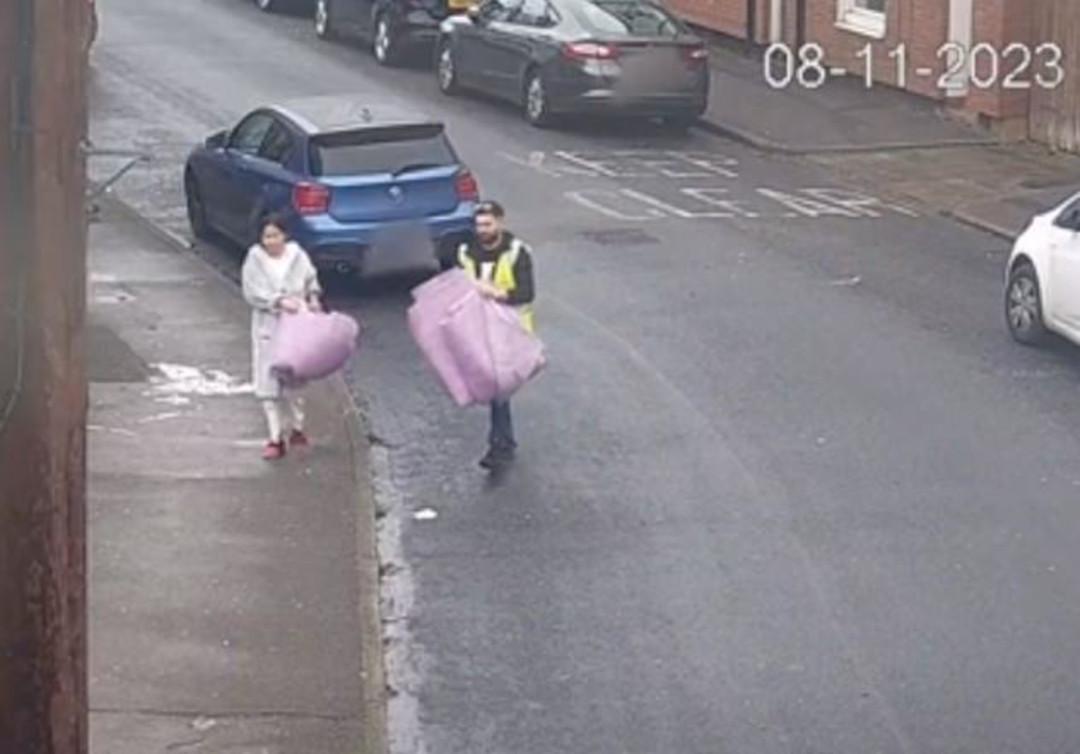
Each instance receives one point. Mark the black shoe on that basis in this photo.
(496, 457)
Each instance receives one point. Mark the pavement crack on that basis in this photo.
(249, 715)
(178, 745)
(378, 441)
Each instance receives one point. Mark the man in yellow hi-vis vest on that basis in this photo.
(502, 266)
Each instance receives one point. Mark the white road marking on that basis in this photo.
(587, 199)
(597, 167)
(713, 196)
(535, 161)
(670, 208)
(804, 206)
(714, 163)
(857, 202)
(663, 163)
(628, 163)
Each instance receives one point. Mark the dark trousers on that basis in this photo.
(502, 426)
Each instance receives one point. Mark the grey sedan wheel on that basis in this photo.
(537, 104)
(385, 44)
(446, 69)
(1023, 306)
(324, 28)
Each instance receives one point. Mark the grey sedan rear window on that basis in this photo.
(381, 150)
(627, 18)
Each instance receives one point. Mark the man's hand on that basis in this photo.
(490, 291)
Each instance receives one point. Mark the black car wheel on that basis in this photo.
(196, 210)
(324, 25)
(446, 69)
(681, 123)
(385, 42)
(1023, 305)
(537, 104)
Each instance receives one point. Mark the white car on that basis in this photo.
(1043, 283)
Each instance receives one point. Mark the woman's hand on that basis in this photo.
(290, 304)
(314, 304)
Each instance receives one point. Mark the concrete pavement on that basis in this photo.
(891, 141)
(233, 603)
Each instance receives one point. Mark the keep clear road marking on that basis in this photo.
(633, 205)
(628, 163)
(695, 202)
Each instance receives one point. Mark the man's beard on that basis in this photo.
(489, 239)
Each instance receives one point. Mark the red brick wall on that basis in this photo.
(724, 16)
(922, 24)
(999, 23)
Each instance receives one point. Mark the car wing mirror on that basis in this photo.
(475, 15)
(218, 140)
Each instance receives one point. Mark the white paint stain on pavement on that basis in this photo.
(182, 380)
(160, 417)
(426, 514)
(110, 430)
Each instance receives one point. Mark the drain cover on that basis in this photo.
(620, 237)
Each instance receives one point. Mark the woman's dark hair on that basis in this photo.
(275, 220)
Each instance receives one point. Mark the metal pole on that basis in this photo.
(42, 379)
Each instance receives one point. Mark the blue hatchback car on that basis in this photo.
(346, 175)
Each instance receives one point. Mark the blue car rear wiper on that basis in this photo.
(413, 167)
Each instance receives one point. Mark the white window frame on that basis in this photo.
(868, 23)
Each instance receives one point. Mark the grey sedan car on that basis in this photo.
(577, 56)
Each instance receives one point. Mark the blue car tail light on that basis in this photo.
(310, 199)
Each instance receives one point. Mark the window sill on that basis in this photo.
(863, 23)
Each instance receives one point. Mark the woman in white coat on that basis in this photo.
(278, 278)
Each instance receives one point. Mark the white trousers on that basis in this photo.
(283, 413)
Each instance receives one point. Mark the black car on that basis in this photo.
(391, 26)
(577, 56)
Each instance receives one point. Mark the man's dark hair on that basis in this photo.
(490, 208)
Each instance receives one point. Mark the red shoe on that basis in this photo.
(298, 439)
(274, 451)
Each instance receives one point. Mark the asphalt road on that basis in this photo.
(786, 487)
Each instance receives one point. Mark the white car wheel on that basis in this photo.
(1023, 305)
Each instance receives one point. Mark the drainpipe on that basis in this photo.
(751, 24)
(800, 24)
